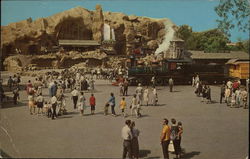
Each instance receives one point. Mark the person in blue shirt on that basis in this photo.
(112, 103)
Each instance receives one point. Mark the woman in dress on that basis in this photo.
(178, 140)
(134, 142)
(154, 97)
(82, 103)
(146, 95)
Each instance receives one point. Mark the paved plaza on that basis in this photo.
(211, 131)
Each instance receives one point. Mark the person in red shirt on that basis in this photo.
(236, 85)
(92, 103)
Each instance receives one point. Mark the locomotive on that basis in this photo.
(182, 71)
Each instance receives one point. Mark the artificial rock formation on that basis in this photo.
(80, 24)
(30, 37)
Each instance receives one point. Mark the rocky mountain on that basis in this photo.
(81, 24)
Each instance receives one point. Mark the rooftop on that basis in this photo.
(78, 43)
(240, 55)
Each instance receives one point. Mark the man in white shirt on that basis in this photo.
(139, 92)
(127, 136)
(229, 84)
(53, 102)
(75, 95)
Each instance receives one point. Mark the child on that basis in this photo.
(123, 106)
(45, 108)
(233, 100)
(48, 110)
(92, 103)
(106, 109)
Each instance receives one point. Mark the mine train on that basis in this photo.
(181, 71)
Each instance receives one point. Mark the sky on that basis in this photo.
(199, 14)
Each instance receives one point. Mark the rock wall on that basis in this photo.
(79, 23)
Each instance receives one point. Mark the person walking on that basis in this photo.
(81, 103)
(92, 103)
(197, 79)
(53, 102)
(153, 81)
(165, 138)
(208, 92)
(174, 130)
(146, 96)
(125, 86)
(39, 101)
(127, 136)
(244, 95)
(54, 88)
(227, 95)
(112, 103)
(193, 81)
(10, 83)
(16, 95)
(171, 84)
(233, 100)
(178, 139)
(75, 95)
(154, 97)
(139, 93)
(121, 88)
(29, 88)
(123, 105)
(222, 92)
(31, 103)
(133, 106)
(50, 85)
(204, 92)
(238, 97)
(134, 142)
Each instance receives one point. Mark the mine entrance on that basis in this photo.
(8, 50)
(73, 29)
(32, 50)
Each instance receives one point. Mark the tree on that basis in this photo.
(184, 32)
(233, 13)
(212, 40)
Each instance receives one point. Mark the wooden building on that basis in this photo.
(199, 57)
(79, 45)
(238, 68)
(226, 61)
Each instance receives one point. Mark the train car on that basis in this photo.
(181, 71)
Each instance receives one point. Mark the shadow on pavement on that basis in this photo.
(72, 113)
(10, 104)
(175, 91)
(64, 117)
(4, 154)
(144, 153)
(189, 155)
(144, 115)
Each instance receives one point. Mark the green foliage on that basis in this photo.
(241, 46)
(233, 13)
(209, 41)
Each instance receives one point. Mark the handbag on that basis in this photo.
(171, 146)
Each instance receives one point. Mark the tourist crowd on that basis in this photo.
(77, 82)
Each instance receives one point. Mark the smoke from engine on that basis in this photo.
(169, 35)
